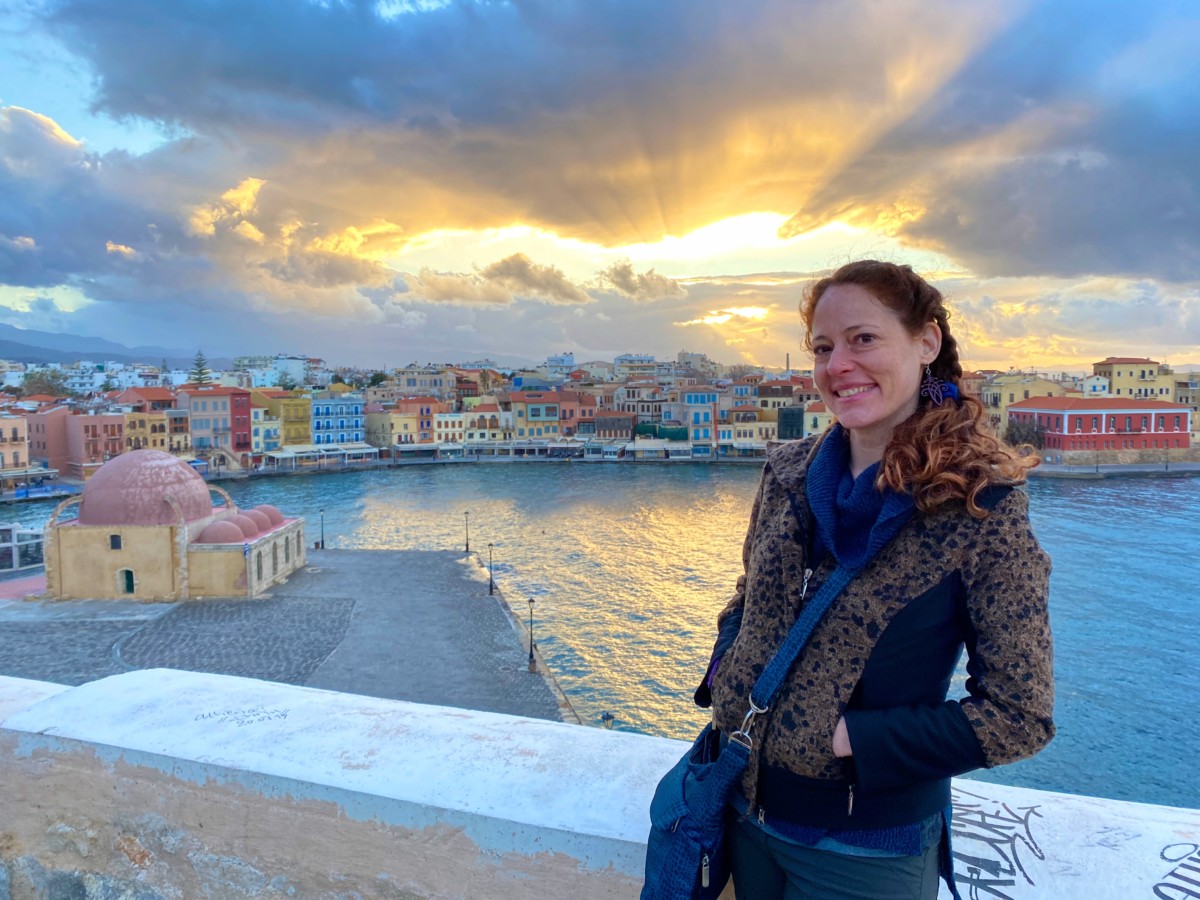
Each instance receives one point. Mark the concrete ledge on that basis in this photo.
(163, 783)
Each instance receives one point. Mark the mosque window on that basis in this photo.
(114, 542)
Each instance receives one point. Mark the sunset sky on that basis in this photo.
(379, 183)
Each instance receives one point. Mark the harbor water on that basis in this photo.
(628, 566)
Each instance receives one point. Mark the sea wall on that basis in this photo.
(167, 784)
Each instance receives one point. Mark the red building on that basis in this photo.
(1111, 423)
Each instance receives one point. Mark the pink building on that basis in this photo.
(48, 437)
(92, 440)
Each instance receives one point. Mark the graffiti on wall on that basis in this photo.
(993, 843)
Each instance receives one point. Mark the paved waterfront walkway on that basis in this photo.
(406, 625)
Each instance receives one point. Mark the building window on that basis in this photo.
(258, 564)
(114, 542)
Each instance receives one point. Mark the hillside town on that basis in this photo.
(292, 413)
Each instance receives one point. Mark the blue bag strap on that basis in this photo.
(769, 683)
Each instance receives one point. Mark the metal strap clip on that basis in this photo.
(742, 735)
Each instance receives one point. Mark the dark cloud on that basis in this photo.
(615, 122)
(1067, 147)
(640, 286)
(524, 277)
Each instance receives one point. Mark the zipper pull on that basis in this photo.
(804, 584)
(762, 816)
(704, 871)
(850, 805)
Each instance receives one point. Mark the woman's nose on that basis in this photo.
(839, 360)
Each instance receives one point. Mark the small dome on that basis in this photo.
(248, 526)
(273, 514)
(259, 517)
(132, 489)
(221, 532)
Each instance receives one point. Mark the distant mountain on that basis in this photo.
(29, 346)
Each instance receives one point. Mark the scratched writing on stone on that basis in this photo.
(990, 841)
(240, 717)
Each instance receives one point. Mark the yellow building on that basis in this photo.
(817, 418)
(1000, 391)
(146, 529)
(1134, 376)
(293, 412)
(388, 427)
(14, 450)
(535, 414)
(146, 430)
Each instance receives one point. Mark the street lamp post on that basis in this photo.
(532, 662)
(467, 526)
(491, 573)
(322, 529)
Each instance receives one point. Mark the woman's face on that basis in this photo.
(867, 366)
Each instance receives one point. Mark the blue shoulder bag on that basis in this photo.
(685, 854)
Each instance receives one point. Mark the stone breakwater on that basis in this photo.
(404, 625)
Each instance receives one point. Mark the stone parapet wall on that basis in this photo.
(165, 784)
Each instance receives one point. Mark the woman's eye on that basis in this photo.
(820, 350)
(864, 338)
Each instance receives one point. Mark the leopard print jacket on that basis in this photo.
(1005, 578)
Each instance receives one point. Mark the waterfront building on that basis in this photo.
(535, 414)
(265, 432)
(791, 423)
(817, 418)
(774, 394)
(93, 439)
(576, 408)
(449, 428)
(1135, 376)
(145, 430)
(613, 424)
(1071, 424)
(47, 431)
(1187, 393)
(387, 427)
(146, 529)
(424, 408)
(147, 399)
(293, 411)
(179, 433)
(487, 423)
(645, 399)
(697, 410)
(337, 417)
(220, 421)
(1001, 391)
(15, 462)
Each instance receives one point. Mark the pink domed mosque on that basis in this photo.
(146, 529)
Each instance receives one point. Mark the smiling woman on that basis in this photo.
(875, 552)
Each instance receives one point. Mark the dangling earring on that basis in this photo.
(936, 389)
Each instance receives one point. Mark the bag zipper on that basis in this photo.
(704, 871)
(850, 803)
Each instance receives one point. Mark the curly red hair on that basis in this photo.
(940, 453)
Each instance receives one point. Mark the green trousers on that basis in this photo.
(767, 868)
